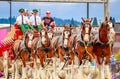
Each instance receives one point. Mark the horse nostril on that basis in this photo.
(45, 40)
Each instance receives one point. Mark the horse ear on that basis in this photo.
(90, 20)
(110, 19)
(106, 18)
(65, 26)
(71, 28)
(83, 19)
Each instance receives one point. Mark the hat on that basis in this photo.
(31, 12)
(21, 10)
(26, 10)
(48, 12)
(35, 10)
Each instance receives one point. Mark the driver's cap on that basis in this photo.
(48, 12)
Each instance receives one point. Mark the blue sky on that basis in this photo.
(62, 10)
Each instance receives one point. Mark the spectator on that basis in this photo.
(112, 63)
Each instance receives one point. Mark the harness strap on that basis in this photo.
(110, 48)
(87, 51)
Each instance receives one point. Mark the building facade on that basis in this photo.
(116, 46)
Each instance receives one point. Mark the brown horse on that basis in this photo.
(22, 48)
(64, 45)
(103, 44)
(84, 44)
(42, 46)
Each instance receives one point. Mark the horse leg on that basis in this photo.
(36, 69)
(80, 59)
(71, 58)
(107, 68)
(5, 64)
(33, 59)
(24, 75)
(61, 55)
(98, 59)
(17, 76)
(50, 55)
(33, 67)
(24, 57)
(107, 59)
(41, 57)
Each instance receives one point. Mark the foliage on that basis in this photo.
(117, 56)
(95, 23)
(58, 21)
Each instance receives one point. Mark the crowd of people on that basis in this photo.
(33, 21)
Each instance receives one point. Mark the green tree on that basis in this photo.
(113, 20)
(95, 23)
(117, 56)
(72, 22)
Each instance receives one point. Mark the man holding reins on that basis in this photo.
(48, 21)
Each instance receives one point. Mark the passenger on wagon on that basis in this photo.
(30, 13)
(48, 21)
(35, 20)
(26, 13)
(22, 21)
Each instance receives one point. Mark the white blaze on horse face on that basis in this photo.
(42, 32)
(44, 40)
(50, 35)
(86, 37)
(65, 42)
(30, 39)
(66, 34)
(30, 36)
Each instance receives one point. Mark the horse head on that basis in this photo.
(86, 29)
(29, 36)
(106, 31)
(45, 40)
(111, 29)
(50, 34)
(66, 35)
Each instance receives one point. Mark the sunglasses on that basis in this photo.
(47, 13)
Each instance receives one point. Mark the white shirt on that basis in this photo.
(32, 20)
(19, 19)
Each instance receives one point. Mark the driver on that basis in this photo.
(48, 21)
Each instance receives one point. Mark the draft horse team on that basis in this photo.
(87, 45)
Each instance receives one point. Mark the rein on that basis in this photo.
(87, 50)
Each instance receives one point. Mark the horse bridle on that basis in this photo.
(83, 26)
(108, 30)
